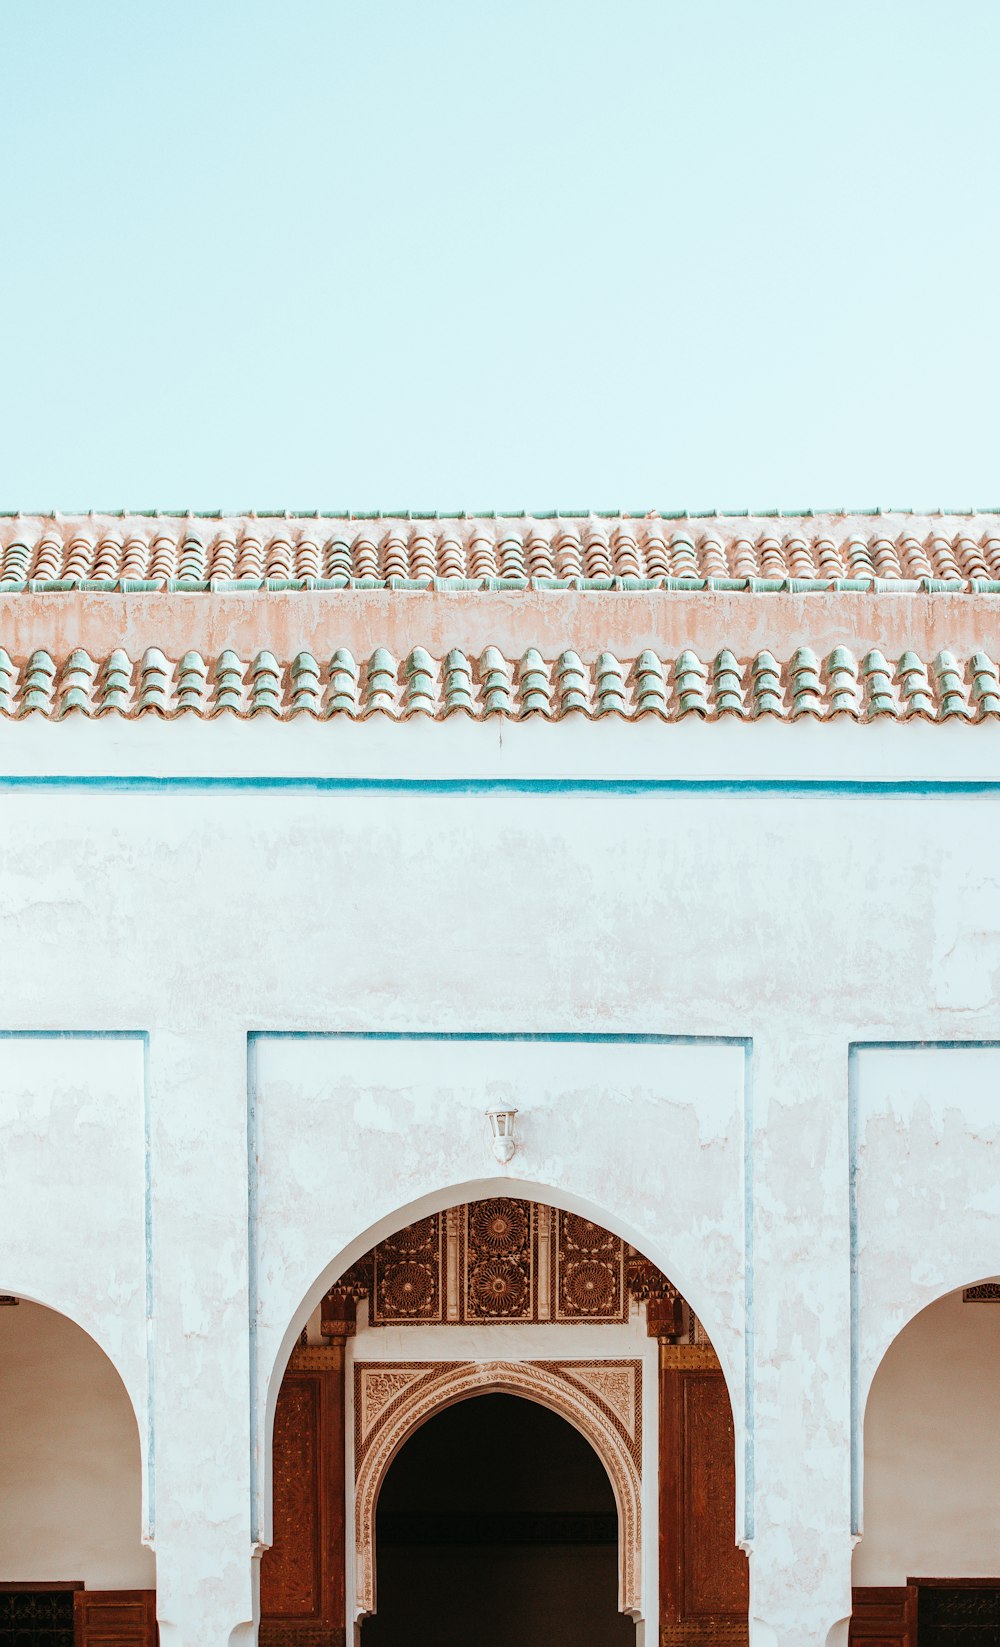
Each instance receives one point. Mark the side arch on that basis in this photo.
(410, 1402)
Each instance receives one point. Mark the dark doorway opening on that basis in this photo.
(496, 1524)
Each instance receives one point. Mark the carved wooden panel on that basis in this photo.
(114, 1618)
(590, 1272)
(883, 1616)
(407, 1274)
(504, 1259)
(302, 1574)
(290, 1569)
(704, 1580)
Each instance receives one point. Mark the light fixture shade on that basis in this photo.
(502, 1132)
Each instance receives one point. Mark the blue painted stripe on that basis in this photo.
(156, 784)
(616, 1038)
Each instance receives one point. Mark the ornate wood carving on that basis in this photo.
(302, 1574)
(504, 1259)
(602, 1399)
(704, 1581)
(590, 1272)
(114, 1618)
(290, 1580)
(884, 1616)
(500, 1268)
(408, 1275)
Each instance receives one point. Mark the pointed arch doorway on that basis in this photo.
(497, 1522)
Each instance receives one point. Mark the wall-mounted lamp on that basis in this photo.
(502, 1133)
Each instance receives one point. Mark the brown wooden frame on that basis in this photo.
(318, 1372)
(686, 1516)
(28, 1588)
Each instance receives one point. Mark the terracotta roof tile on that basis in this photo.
(764, 553)
(673, 689)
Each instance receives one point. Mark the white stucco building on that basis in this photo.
(322, 837)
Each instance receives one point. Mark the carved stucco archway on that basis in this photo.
(601, 1399)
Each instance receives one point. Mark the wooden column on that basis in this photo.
(704, 1579)
(302, 1589)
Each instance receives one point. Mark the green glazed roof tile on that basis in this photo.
(952, 696)
(420, 671)
(344, 684)
(727, 685)
(805, 684)
(381, 683)
(767, 697)
(671, 689)
(842, 677)
(691, 685)
(650, 685)
(458, 690)
(915, 687)
(768, 552)
(877, 677)
(534, 690)
(610, 686)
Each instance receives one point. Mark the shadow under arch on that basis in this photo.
(66, 1324)
(534, 1382)
(438, 1201)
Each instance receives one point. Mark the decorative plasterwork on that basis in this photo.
(128, 553)
(728, 684)
(602, 1399)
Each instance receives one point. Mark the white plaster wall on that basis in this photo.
(70, 1474)
(928, 1190)
(413, 1112)
(72, 1209)
(805, 922)
(932, 1449)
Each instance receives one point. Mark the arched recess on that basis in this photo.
(931, 1448)
(71, 1476)
(403, 1410)
(724, 1335)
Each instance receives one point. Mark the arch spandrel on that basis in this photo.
(601, 1399)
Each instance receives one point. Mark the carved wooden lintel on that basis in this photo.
(316, 1357)
(687, 1355)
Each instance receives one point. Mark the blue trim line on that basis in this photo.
(142, 1036)
(154, 784)
(853, 1145)
(556, 1037)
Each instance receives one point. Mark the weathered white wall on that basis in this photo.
(70, 1477)
(932, 1449)
(804, 923)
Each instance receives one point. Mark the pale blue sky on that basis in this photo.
(302, 254)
